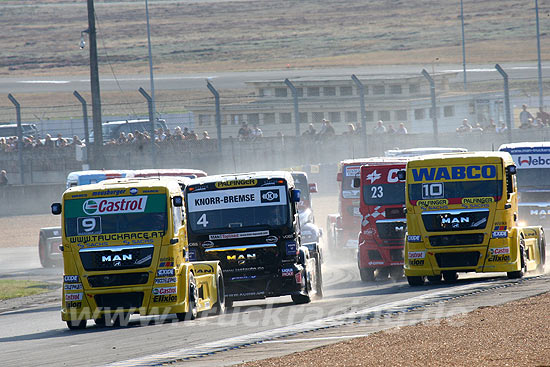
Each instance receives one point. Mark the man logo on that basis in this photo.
(90, 206)
(241, 259)
(269, 196)
(399, 229)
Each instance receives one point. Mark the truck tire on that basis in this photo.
(396, 272)
(76, 325)
(367, 274)
(193, 298)
(434, 279)
(299, 298)
(450, 276)
(542, 251)
(519, 273)
(219, 307)
(383, 273)
(319, 284)
(415, 281)
(43, 253)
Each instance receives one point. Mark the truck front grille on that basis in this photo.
(457, 259)
(391, 229)
(119, 300)
(457, 239)
(114, 280)
(396, 255)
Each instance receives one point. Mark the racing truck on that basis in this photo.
(49, 238)
(533, 165)
(462, 216)
(343, 228)
(383, 223)
(249, 222)
(125, 251)
(311, 234)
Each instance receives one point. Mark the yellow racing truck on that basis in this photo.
(462, 217)
(125, 251)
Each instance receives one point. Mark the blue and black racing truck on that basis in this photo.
(250, 223)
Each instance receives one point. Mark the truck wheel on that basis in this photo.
(415, 281)
(383, 273)
(43, 253)
(76, 325)
(396, 272)
(319, 284)
(519, 273)
(542, 251)
(367, 274)
(434, 278)
(219, 307)
(193, 298)
(299, 299)
(228, 303)
(450, 276)
(100, 321)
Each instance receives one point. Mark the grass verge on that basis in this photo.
(10, 288)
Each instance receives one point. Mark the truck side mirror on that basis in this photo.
(177, 201)
(356, 183)
(402, 175)
(511, 170)
(339, 177)
(313, 188)
(56, 208)
(295, 197)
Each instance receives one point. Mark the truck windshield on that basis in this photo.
(455, 190)
(533, 179)
(141, 213)
(234, 209)
(349, 191)
(301, 184)
(384, 194)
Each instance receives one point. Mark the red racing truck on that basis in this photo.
(383, 223)
(343, 228)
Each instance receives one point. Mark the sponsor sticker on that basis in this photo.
(73, 296)
(474, 172)
(427, 204)
(375, 263)
(226, 236)
(166, 272)
(499, 258)
(73, 304)
(416, 262)
(165, 280)
(500, 251)
(165, 290)
(165, 298)
(133, 191)
(71, 279)
(167, 264)
(287, 272)
(480, 200)
(235, 183)
(499, 234)
(414, 238)
(236, 198)
(417, 254)
(352, 171)
(72, 286)
(115, 205)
